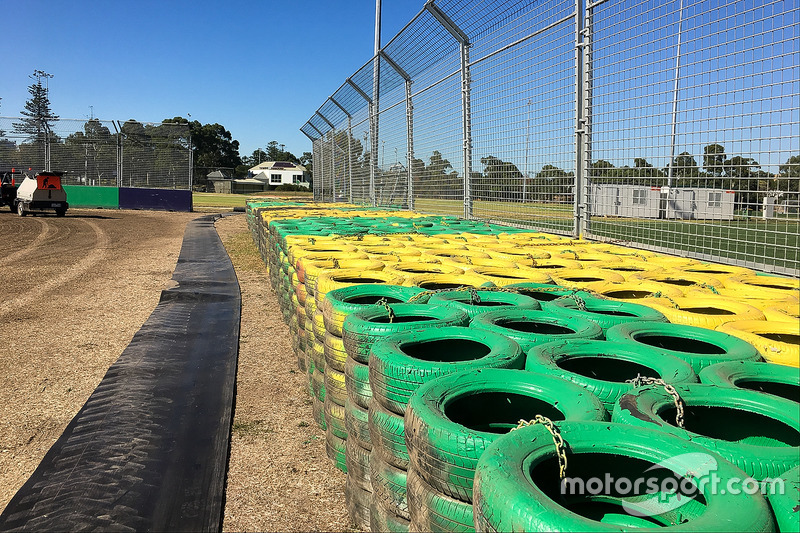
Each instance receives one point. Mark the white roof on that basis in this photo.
(281, 165)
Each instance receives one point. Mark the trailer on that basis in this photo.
(41, 194)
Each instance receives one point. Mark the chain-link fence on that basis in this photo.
(671, 125)
(97, 152)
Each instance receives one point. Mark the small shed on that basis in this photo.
(247, 186)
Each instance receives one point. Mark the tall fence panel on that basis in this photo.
(669, 125)
(100, 153)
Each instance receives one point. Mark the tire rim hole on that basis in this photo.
(607, 505)
(707, 311)
(540, 328)
(734, 425)
(790, 391)
(498, 412)
(606, 368)
(542, 296)
(446, 350)
(436, 285)
(402, 319)
(583, 279)
(788, 338)
(371, 300)
(680, 344)
(358, 280)
(679, 282)
(628, 295)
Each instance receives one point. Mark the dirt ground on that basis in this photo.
(279, 478)
(76, 289)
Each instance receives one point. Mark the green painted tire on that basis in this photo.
(381, 519)
(387, 436)
(334, 418)
(785, 504)
(700, 347)
(756, 432)
(341, 302)
(489, 301)
(356, 421)
(357, 462)
(778, 380)
(364, 328)
(433, 511)
(517, 486)
(530, 327)
(356, 377)
(357, 501)
(603, 367)
(335, 450)
(544, 292)
(401, 363)
(388, 485)
(451, 420)
(333, 350)
(606, 313)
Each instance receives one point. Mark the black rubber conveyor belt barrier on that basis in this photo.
(149, 449)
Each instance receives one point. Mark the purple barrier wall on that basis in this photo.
(157, 199)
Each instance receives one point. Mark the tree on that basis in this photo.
(500, 179)
(714, 159)
(552, 184)
(95, 147)
(790, 175)
(38, 117)
(212, 147)
(685, 169)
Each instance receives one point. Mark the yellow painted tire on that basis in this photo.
(412, 268)
(336, 279)
(786, 312)
(550, 266)
(630, 268)
(671, 261)
(762, 286)
(681, 279)
(777, 342)
(296, 252)
(638, 291)
(301, 262)
(704, 312)
(446, 254)
(445, 281)
(313, 269)
(761, 299)
(468, 263)
(517, 253)
(501, 276)
(721, 272)
(589, 259)
(587, 278)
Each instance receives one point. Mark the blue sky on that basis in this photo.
(259, 68)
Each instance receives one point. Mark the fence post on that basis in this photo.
(410, 144)
(583, 112)
(349, 162)
(333, 155)
(466, 115)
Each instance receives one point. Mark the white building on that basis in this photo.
(275, 173)
(677, 203)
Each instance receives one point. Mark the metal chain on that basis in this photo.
(473, 297)
(336, 263)
(640, 380)
(385, 303)
(561, 451)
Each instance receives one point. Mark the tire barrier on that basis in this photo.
(480, 301)
(697, 346)
(517, 485)
(369, 381)
(777, 342)
(759, 433)
(606, 313)
(605, 369)
(779, 380)
(451, 420)
(529, 327)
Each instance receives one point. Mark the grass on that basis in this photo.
(243, 252)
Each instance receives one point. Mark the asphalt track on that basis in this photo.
(148, 450)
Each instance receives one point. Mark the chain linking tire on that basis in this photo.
(480, 301)
(779, 380)
(341, 302)
(605, 313)
(529, 327)
(400, 364)
(363, 328)
(700, 347)
(451, 420)
(604, 368)
(756, 432)
(517, 486)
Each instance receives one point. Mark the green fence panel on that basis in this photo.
(87, 196)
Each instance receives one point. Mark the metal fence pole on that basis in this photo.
(410, 144)
(333, 155)
(670, 168)
(466, 115)
(349, 162)
(582, 116)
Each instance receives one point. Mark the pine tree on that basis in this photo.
(37, 112)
